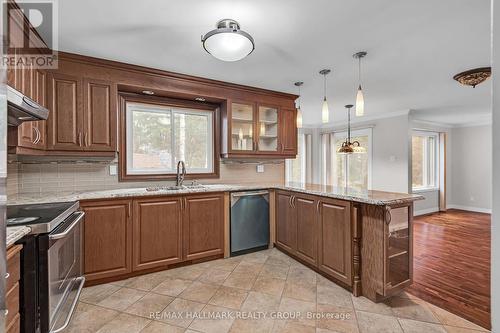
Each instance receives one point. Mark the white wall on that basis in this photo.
(471, 168)
(495, 232)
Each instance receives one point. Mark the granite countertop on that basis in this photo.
(368, 197)
(16, 233)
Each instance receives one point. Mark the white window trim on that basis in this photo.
(426, 188)
(358, 132)
(303, 161)
(153, 108)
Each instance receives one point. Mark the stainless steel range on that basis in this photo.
(52, 271)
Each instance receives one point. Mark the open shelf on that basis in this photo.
(396, 252)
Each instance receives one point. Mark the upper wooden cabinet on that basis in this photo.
(254, 129)
(82, 114)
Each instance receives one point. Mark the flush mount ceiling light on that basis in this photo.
(228, 42)
(474, 76)
(349, 147)
(299, 111)
(325, 113)
(360, 100)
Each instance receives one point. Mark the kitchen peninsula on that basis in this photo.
(361, 240)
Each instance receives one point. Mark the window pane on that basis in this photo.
(418, 150)
(296, 167)
(151, 136)
(193, 140)
(353, 167)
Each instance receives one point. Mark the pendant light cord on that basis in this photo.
(300, 97)
(359, 70)
(324, 86)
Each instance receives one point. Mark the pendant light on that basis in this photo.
(347, 146)
(360, 100)
(325, 113)
(299, 111)
(228, 42)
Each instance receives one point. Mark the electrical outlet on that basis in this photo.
(113, 170)
(260, 168)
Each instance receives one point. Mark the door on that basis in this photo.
(31, 134)
(65, 122)
(335, 251)
(203, 226)
(307, 228)
(286, 222)
(107, 239)
(268, 130)
(241, 127)
(99, 132)
(157, 232)
(288, 136)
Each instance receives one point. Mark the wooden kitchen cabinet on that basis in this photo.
(334, 242)
(82, 114)
(157, 232)
(12, 287)
(203, 226)
(286, 222)
(107, 244)
(307, 227)
(66, 117)
(258, 130)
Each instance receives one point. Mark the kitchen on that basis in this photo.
(136, 192)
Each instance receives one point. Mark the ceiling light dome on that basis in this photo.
(228, 42)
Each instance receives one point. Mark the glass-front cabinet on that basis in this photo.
(252, 129)
(242, 127)
(268, 129)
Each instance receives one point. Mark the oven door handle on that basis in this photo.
(69, 228)
(80, 280)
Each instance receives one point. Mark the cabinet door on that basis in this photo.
(40, 96)
(66, 116)
(203, 226)
(242, 127)
(307, 228)
(99, 133)
(107, 239)
(157, 233)
(288, 136)
(268, 130)
(335, 250)
(286, 222)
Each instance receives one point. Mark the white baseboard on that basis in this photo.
(469, 208)
(426, 211)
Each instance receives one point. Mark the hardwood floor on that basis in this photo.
(452, 263)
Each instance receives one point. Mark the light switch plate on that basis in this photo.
(113, 170)
(260, 168)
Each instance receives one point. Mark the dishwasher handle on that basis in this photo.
(247, 194)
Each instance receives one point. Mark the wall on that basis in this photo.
(495, 226)
(471, 169)
(39, 176)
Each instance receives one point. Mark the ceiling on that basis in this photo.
(414, 48)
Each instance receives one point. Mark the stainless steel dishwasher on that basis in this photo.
(249, 221)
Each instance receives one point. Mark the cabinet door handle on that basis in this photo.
(37, 135)
(80, 139)
(86, 139)
(317, 206)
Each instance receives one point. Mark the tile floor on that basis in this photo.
(265, 291)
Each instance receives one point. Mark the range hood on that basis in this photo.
(22, 108)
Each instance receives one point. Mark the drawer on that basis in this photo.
(12, 303)
(15, 325)
(13, 266)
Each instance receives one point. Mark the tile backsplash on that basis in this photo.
(41, 176)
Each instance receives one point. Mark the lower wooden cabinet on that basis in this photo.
(12, 318)
(316, 230)
(107, 244)
(307, 228)
(203, 226)
(286, 223)
(334, 242)
(157, 232)
(125, 236)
